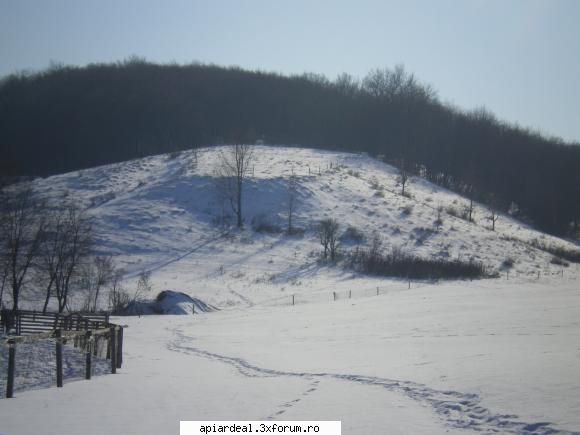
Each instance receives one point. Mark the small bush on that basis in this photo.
(374, 183)
(465, 214)
(452, 211)
(261, 224)
(353, 173)
(559, 261)
(266, 227)
(407, 210)
(118, 300)
(508, 263)
(352, 234)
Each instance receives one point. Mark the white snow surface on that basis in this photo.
(387, 356)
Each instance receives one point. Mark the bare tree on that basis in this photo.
(235, 164)
(347, 84)
(21, 231)
(439, 221)
(404, 175)
(328, 236)
(292, 197)
(118, 296)
(52, 252)
(144, 285)
(68, 242)
(96, 275)
(194, 159)
(469, 210)
(3, 279)
(396, 83)
(493, 211)
(468, 190)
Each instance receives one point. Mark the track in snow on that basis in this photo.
(459, 410)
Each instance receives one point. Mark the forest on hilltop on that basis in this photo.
(67, 118)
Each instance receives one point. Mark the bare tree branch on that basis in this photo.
(21, 228)
(328, 236)
(292, 197)
(68, 242)
(234, 167)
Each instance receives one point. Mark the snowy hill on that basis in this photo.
(161, 214)
(296, 339)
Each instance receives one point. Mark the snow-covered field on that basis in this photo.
(499, 355)
(451, 358)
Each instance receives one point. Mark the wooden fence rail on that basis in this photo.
(82, 330)
(24, 322)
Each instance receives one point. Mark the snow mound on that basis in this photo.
(170, 302)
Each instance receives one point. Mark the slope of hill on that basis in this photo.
(162, 214)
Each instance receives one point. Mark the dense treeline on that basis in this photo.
(67, 118)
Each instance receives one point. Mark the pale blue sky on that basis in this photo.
(518, 58)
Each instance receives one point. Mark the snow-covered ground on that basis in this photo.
(450, 358)
(388, 356)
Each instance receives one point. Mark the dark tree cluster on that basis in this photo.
(68, 118)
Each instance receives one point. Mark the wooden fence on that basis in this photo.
(83, 331)
(24, 322)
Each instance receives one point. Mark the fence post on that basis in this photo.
(113, 340)
(350, 294)
(120, 347)
(377, 291)
(88, 360)
(58, 336)
(334, 295)
(11, 368)
(96, 345)
(292, 299)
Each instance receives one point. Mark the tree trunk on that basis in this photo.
(15, 293)
(239, 211)
(2, 290)
(470, 209)
(48, 289)
(96, 298)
